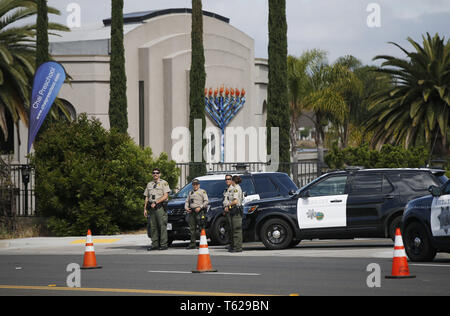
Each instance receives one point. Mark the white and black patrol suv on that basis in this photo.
(255, 185)
(426, 224)
(343, 204)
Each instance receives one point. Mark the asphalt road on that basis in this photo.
(32, 267)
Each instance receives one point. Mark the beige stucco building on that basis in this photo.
(158, 57)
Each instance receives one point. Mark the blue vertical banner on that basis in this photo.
(48, 80)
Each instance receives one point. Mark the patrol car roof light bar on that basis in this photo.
(224, 172)
(354, 168)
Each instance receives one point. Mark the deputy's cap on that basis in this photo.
(195, 181)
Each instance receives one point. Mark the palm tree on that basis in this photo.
(299, 86)
(320, 89)
(17, 60)
(417, 107)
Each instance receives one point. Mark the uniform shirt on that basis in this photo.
(156, 190)
(236, 194)
(227, 195)
(196, 199)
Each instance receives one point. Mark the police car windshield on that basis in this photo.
(214, 189)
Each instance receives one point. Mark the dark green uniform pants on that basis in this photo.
(195, 219)
(235, 223)
(158, 226)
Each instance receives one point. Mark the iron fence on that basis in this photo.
(17, 181)
(17, 196)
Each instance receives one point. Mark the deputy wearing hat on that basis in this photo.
(195, 206)
(233, 198)
(156, 193)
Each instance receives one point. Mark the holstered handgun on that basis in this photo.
(236, 210)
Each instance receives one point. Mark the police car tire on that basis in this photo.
(217, 236)
(421, 252)
(283, 237)
(395, 223)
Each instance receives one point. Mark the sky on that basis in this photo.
(361, 28)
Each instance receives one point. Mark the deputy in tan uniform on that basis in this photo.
(195, 205)
(157, 192)
(232, 203)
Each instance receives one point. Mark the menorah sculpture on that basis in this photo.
(222, 108)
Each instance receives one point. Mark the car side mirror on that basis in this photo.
(292, 192)
(434, 190)
(244, 193)
(305, 194)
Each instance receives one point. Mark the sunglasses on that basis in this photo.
(156, 172)
(227, 179)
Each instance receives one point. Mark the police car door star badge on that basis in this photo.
(315, 215)
(440, 216)
(322, 211)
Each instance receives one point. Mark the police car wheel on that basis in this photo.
(395, 223)
(417, 244)
(276, 234)
(220, 234)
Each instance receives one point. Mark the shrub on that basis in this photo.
(388, 157)
(91, 178)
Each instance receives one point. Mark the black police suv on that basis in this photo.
(255, 185)
(426, 224)
(343, 204)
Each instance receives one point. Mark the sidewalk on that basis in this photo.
(69, 245)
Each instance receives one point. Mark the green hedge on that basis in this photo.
(91, 178)
(388, 157)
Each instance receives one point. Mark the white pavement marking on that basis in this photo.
(214, 273)
(430, 265)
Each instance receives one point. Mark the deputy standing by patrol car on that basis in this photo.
(233, 198)
(195, 205)
(156, 193)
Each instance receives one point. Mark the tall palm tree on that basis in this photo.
(321, 90)
(326, 101)
(417, 106)
(17, 60)
(299, 86)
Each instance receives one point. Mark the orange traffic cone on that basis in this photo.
(204, 261)
(400, 269)
(89, 255)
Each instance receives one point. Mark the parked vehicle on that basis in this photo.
(426, 224)
(255, 185)
(343, 204)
